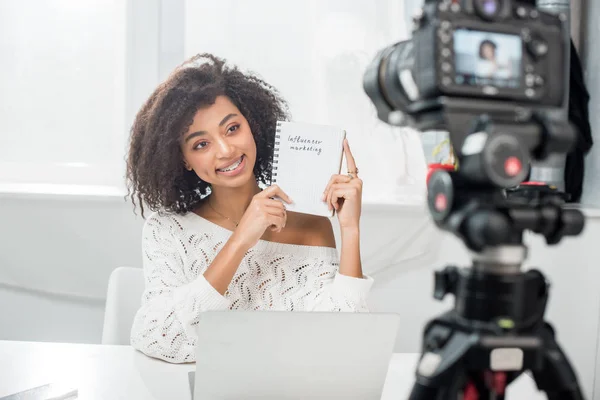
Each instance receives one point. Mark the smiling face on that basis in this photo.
(489, 53)
(219, 146)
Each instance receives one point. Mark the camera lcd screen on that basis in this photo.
(487, 59)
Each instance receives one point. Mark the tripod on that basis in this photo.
(496, 330)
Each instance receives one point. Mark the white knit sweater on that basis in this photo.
(272, 276)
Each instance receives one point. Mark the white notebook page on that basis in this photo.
(306, 156)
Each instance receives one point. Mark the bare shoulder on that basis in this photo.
(312, 230)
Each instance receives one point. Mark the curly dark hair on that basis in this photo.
(484, 43)
(156, 174)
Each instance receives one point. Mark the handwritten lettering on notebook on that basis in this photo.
(305, 157)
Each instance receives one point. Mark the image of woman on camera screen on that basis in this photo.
(489, 65)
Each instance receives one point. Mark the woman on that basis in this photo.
(200, 146)
(488, 65)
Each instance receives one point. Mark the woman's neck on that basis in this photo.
(233, 202)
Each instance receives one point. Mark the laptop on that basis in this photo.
(293, 355)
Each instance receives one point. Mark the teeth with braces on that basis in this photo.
(232, 167)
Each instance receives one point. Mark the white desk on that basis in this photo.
(120, 372)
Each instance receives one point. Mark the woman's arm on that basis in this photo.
(346, 288)
(164, 326)
(344, 194)
(263, 213)
(221, 271)
(337, 286)
(350, 263)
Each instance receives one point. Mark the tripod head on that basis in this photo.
(484, 202)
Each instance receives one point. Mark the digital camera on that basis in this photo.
(499, 54)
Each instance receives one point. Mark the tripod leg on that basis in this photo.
(440, 373)
(557, 377)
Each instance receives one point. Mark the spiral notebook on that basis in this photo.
(305, 157)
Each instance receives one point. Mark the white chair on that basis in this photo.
(123, 299)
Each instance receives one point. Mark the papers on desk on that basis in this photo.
(52, 391)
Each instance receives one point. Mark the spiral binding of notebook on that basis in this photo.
(276, 153)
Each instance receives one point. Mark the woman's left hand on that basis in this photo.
(344, 193)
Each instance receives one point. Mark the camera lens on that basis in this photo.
(488, 9)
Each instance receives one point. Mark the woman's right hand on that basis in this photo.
(263, 213)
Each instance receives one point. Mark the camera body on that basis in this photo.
(500, 55)
(460, 52)
(493, 73)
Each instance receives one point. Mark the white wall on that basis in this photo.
(591, 195)
(57, 254)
